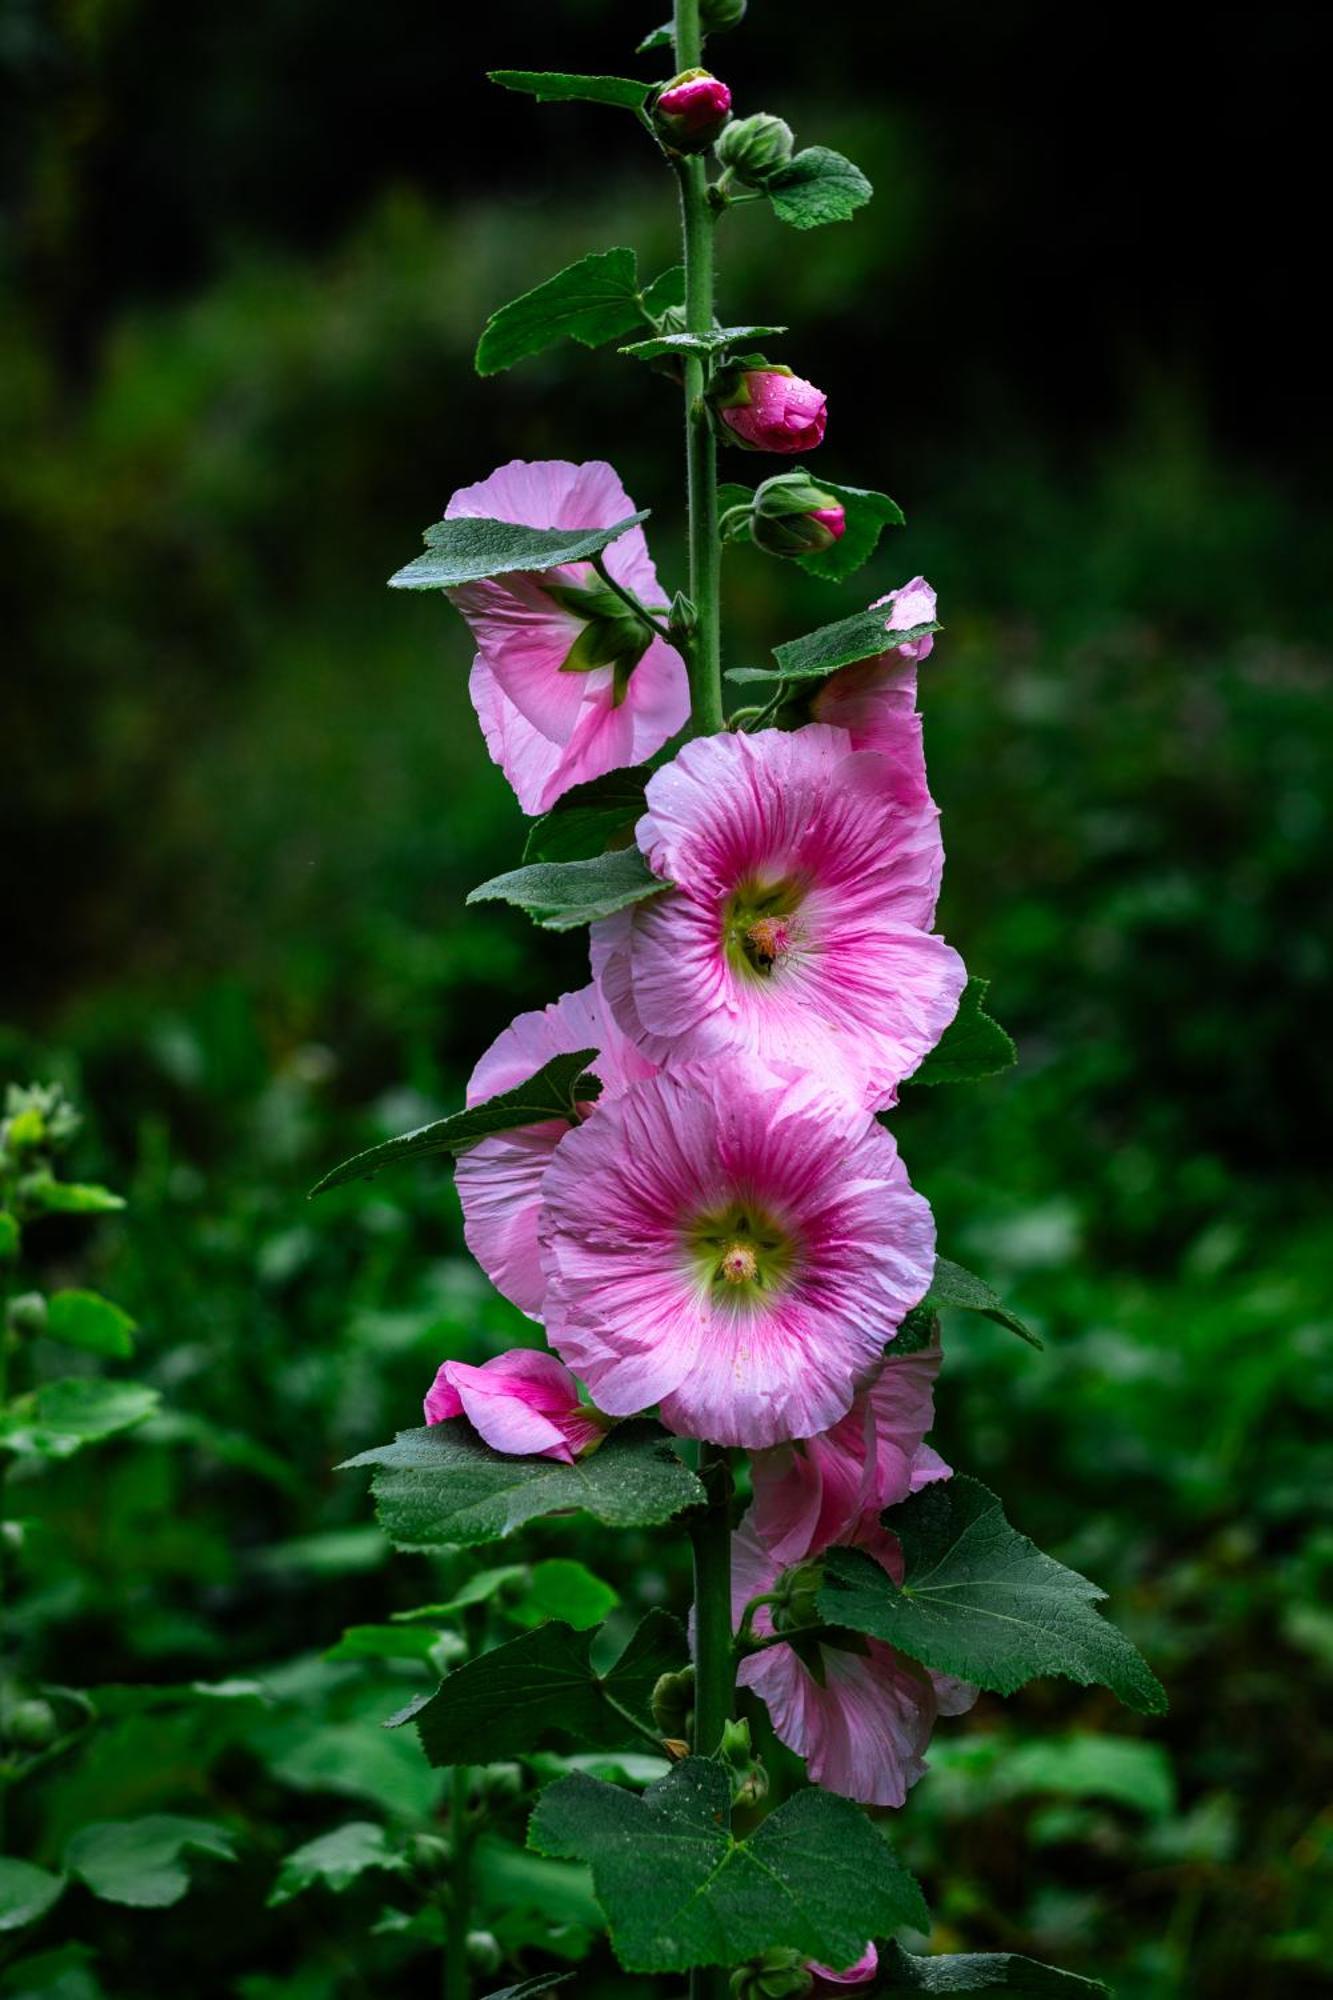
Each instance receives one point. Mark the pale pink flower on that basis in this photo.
(770, 409)
(549, 722)
(499, 1178)
(863, 1720)
(735, 1242)
(523, 1402)
(875, 700)
(799, 926)
(860, 1974)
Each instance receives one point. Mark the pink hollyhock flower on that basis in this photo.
(770, 409)
(875, 700)
(735, 1242)
(550, 718)
(806, 876)
(860, 1974)
(499, 1178)
(691, 110)
(523, 1402)
(861, 1718)
(811, 1494)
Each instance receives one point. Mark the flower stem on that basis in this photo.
(697, 221)
(457, 1976)
(714, 1664)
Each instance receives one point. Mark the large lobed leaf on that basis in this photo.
(469, 549)
(594, 300)
(442, 1485)
(513, 1699)
(561, 895)
(556, 1091)
(903, 1974)
(972, 1046)
(680, 1890)
(817, 186)
(981, 1601)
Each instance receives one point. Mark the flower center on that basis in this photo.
(740, 1253)
(761, 925)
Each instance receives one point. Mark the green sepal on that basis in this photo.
(562, 895)
(556, 1091)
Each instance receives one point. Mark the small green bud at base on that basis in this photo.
(673, 1703)
(753, 148)
(792, 516)
(31, 1725)
(778, 1975)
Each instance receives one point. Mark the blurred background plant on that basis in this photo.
(244, 262)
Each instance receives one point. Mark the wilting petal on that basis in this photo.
(523, 1402)
(860, 1974)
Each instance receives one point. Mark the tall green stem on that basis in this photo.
(697, 222)
(457, 1976)
(714, 1665)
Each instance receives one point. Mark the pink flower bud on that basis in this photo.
(691, 110)
(770, 409)
(524, 1402)
(834, 519)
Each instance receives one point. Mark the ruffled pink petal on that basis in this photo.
(865, 1732)
(626, 1304)
(499, 1178)
(521, 1402)
(860, 1974)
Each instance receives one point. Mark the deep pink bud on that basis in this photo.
(832, 518)
(691, 110)
(770, 409)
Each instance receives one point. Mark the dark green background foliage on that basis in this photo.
(247, 256)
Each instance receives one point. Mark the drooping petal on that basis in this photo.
(640, 1206)
(860, 1974)
(524, 1402)
(875, 700)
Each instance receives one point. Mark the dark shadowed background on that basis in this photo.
(245, 256)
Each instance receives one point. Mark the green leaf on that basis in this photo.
(554, 1092)
(657, 38)
(1083, 1765)
(952, 1285)
(64, 1973)
(595, 300)
(861, 637)
(26, 1893)
(588, 817)
(679, 1890)
(85, 1319)
(716, 341)
(468, 549)
(867, 515)
(554, 87)
(561, 895)
(545, 1982)
(515, 1697)
(972, 1046)
(60, 1418)
(666, 291)
(11, 1236)
(388, 1642)
(335, 1860)
(443, 1485)
(142, 1862)
(902, 1974)
(817, 186)
(479, 1589)
(562, 1588)
(980, 1601)
(44, 1191)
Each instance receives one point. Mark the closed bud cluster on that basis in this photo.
(753, 148)
(778, 1975)
(717, 15)
(797, 1596)
(691, 110)
(791, 516)
(673, 1704)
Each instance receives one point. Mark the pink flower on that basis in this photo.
(860, 1974)
(691, 110)
(861, 1718)
(735, 1242)
(810, 1495)
(522, 1402)
(770, 409)
(806, 876)
(549, 718)
(499, 1178)
(875, 700)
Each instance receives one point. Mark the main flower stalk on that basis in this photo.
(704, 652)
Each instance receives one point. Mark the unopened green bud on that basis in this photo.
(26, 1315)
(431, 1853)
(792, 516)
(797, 1595)
(715, 16)
(483, 1952)
(32, 1725)
(778, 1975)
(672, 1702)
(755, 147)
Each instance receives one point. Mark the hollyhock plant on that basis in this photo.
(735, 1242)
(799, 924)
(521, 1402)
(499, 1178)
(568, 683)
(767, 408)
